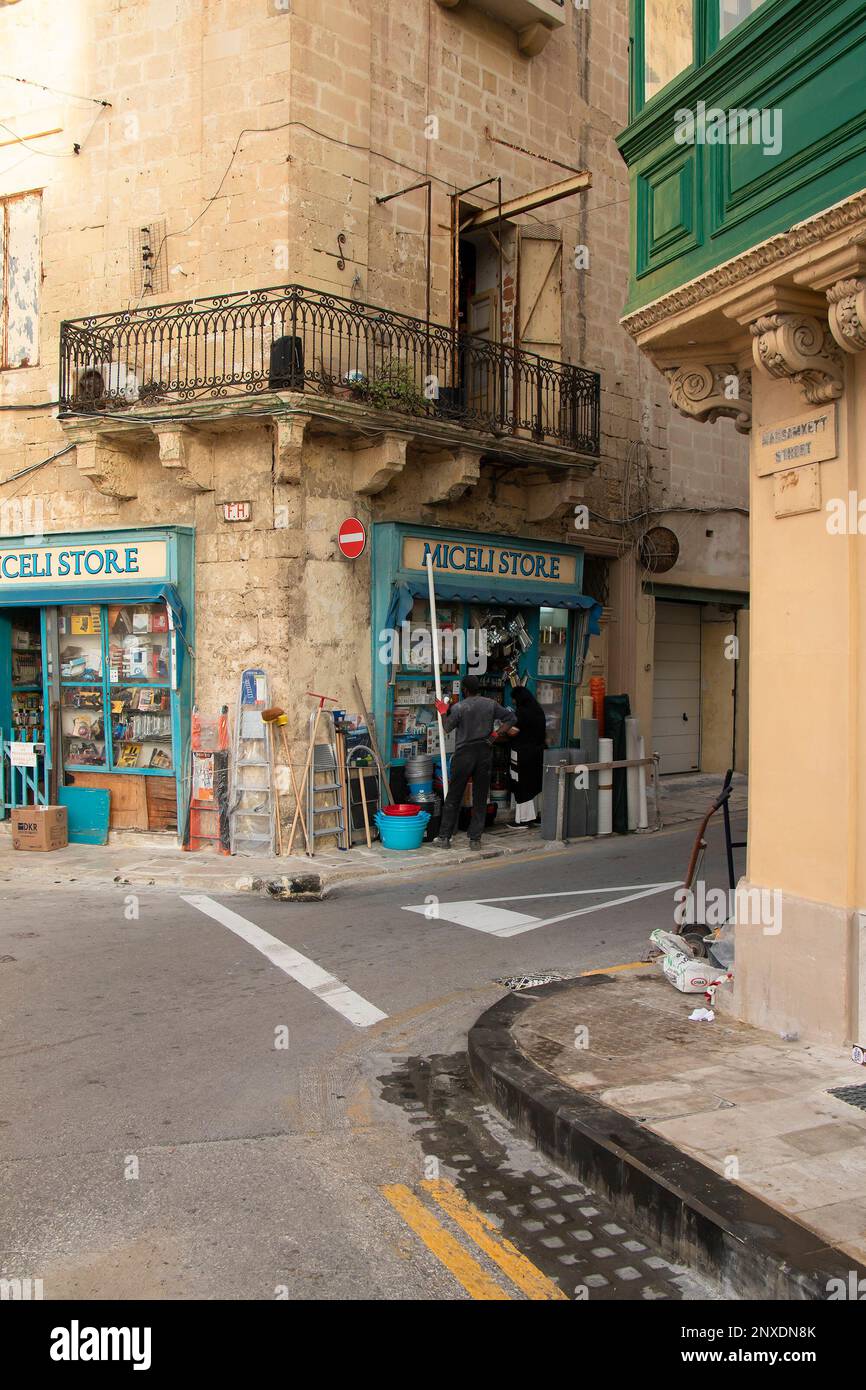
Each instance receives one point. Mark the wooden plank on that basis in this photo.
(161, 803)
(128, 797)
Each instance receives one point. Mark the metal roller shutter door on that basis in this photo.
(677, 687)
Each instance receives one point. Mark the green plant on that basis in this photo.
(393, 387)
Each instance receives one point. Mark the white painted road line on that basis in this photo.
(326, 987)
(480, 915)
(575, 893)
(496, 921)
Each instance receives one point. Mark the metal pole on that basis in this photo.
(656, 759)
(434, 634)
(501, 306)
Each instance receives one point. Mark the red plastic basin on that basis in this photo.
(402, 808)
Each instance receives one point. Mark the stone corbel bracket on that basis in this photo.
(552, 499)
(800, 348)
(288, 433)
(532, 39)
(448, 475)
(377, 461)
(175, 455)
(109, 469)
(847, 314)
(712, 391)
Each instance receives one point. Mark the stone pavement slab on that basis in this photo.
(755, 1108)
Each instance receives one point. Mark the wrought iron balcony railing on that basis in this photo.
(294, 339)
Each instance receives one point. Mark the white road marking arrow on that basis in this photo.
(480, 914)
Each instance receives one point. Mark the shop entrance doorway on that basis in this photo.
(22, 710)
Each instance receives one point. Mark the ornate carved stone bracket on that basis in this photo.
(377, 461)
(449, 474)
(712, 391)
(800, 348)
(110, 470)
(288, 436)
(847, 313)
(548, 501)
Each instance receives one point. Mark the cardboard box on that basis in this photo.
(40, 828)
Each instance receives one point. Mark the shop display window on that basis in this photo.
(137, 642)
(82, 725)
(80, 633)
(551, 668)
(115, 698)
(141, 727)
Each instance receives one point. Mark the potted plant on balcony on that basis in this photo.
(392, 387)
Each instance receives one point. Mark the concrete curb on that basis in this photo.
(696, 1217)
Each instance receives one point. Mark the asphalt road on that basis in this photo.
(241, 1098)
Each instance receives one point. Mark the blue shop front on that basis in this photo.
(509, 609)
(96, 644)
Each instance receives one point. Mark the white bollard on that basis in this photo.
(642, 815)
(605, 788)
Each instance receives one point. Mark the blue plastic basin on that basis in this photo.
(402, 832)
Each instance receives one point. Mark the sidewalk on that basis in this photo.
(687, 796)
(726, 1141)
(141, 859)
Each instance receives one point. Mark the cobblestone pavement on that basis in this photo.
(563, 1227)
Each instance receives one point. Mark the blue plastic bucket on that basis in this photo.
(425, 786)
(402, 832)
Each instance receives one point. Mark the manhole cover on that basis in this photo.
(852, 1095)
(531, 979)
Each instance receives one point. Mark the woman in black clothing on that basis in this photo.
(528, 739)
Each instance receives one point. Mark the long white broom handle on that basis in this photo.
(434, 634)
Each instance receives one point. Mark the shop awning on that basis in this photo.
(67, 595)
(469, 590)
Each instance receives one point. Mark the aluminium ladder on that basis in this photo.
(251, 818)
(325, 766)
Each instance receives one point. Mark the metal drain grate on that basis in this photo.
(852, 1095)
(530, 981)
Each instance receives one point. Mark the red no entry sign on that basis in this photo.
(352, 538)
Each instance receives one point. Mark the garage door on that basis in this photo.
(677, 687)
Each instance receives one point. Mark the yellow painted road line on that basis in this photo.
(609, 969)
(517, 1267)
(466, 1270)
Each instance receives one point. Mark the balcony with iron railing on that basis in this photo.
(236, 347)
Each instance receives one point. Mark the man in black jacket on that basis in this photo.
(473, 717)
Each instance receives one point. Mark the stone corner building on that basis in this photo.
(275, 266)
(749, 264)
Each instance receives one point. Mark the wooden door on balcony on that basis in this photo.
(482, 323)
(539, 320)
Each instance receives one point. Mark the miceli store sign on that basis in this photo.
(501, 562)
(88, 564)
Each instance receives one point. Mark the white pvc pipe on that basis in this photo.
(642, 815)
(434, 635)
(605, 788)
(632, 734)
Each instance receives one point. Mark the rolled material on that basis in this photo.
(605, 788)
(632, 736)
(642, 816)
